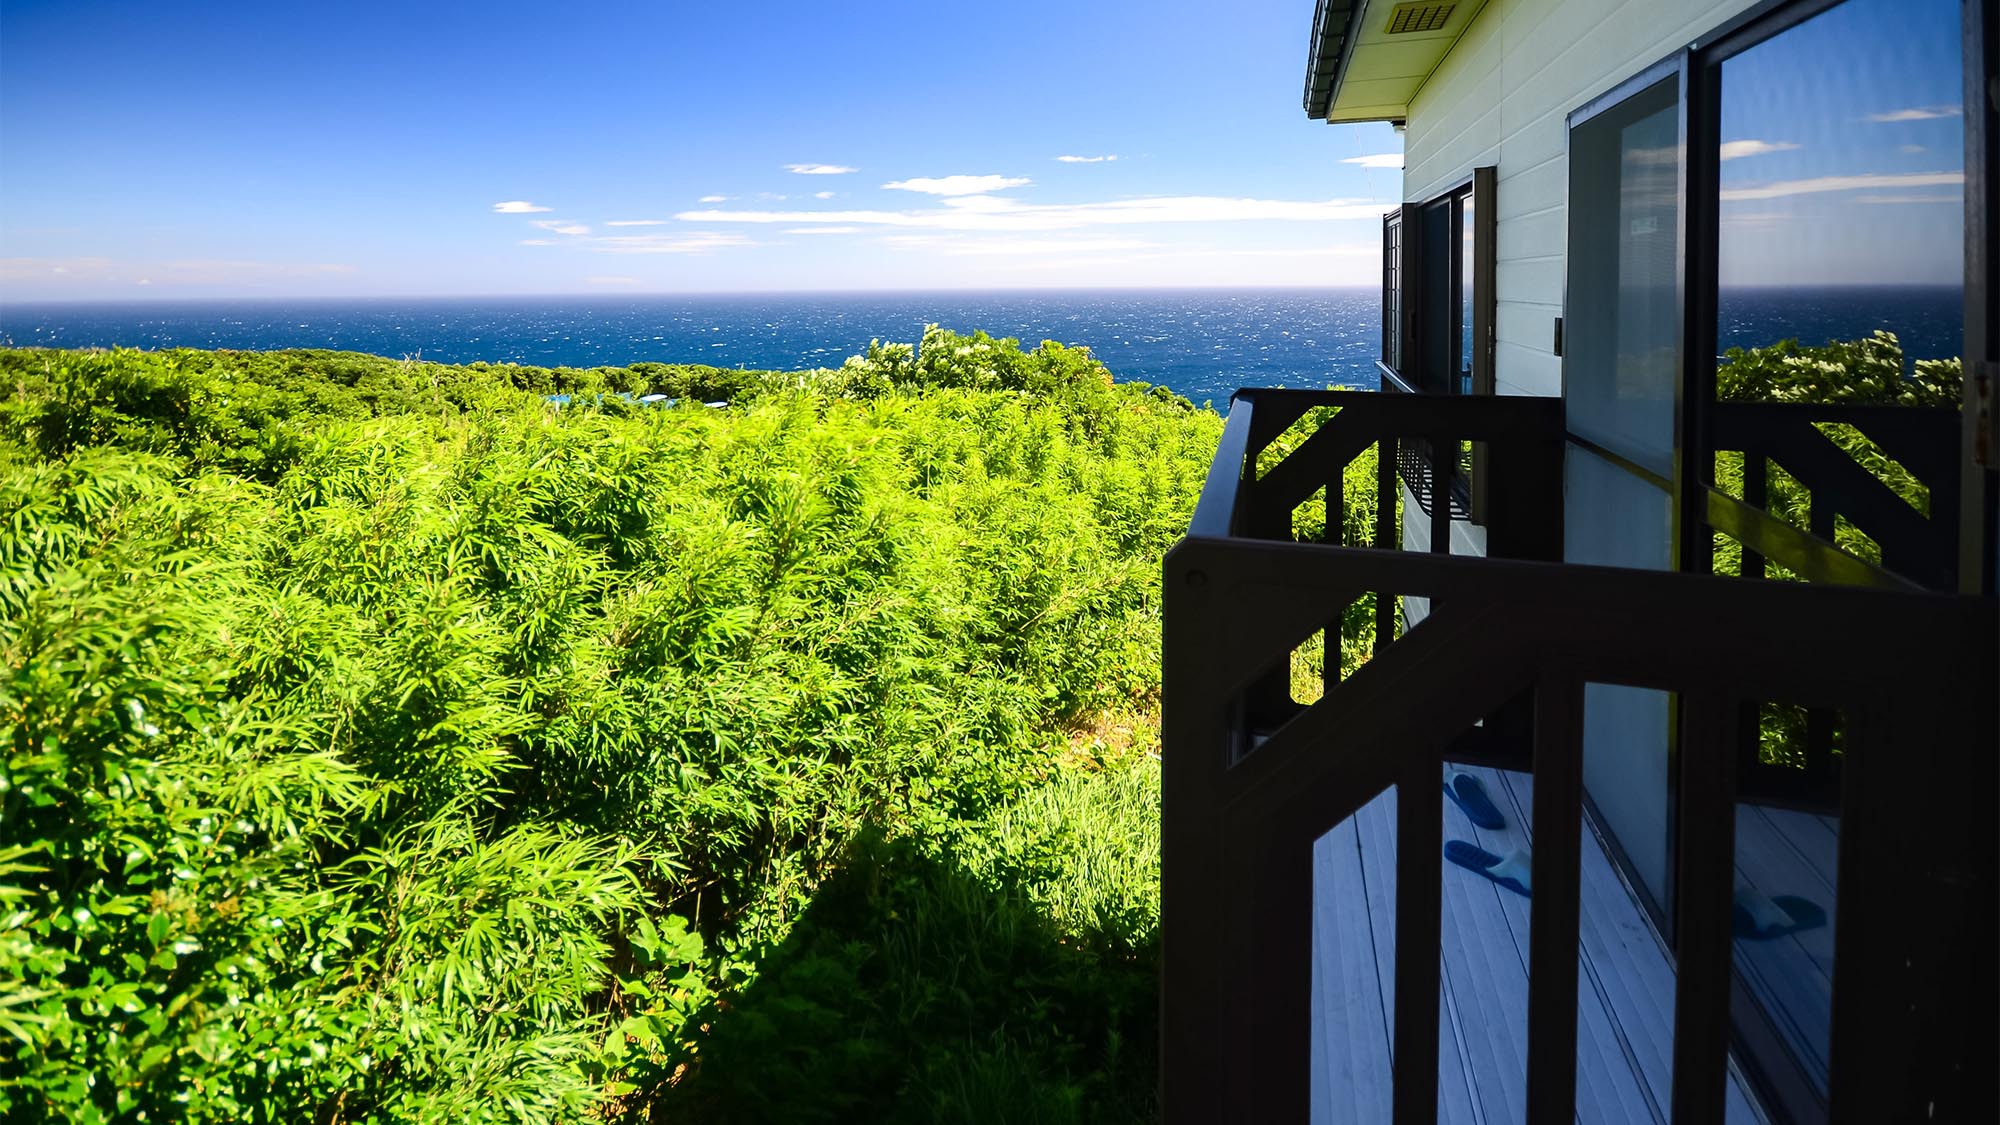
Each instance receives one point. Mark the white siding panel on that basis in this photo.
(1542, 274)
(1501, 97)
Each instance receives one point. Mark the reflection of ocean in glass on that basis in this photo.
(1927, 319)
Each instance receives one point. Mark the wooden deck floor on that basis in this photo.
(1625, 981)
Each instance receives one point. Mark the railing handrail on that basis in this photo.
(1429, 417)
(1215, 509)
(1808, 627)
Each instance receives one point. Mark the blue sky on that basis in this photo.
(233, 149)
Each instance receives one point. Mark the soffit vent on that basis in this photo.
(1406, 18)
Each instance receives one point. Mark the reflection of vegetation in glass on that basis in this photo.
(381, 743)
(1868, 372)
(1781, 734)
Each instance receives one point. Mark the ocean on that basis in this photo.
(1202, 344)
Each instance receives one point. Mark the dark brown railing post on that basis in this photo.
(1419, 860)
(1444, 465)
(1913, 1011)
(1196, 743)
(1705, 834)
(1552, 944)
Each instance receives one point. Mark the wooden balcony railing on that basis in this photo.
(1251, 778)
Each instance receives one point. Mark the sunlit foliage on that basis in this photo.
(384, 742)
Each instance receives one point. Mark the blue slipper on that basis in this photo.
(1760, 919)
(1469, 795)
(1511, 873)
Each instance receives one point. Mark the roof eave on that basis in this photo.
(1334, 25)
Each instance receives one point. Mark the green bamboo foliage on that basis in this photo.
(384, 743)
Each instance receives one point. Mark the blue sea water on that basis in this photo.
(1202, 344)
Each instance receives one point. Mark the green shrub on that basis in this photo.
(384, 743)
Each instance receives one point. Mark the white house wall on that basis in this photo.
(1501, 97)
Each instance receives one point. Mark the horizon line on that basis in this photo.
(161, 299)
(166, 299)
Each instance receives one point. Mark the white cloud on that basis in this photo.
(824, 230)
(1843, 183)
(993, 213)
(990, 246)
(958, 185)
(604, 280)
(560, 226)
(1755, 218)
(1087, 159)
(820, 169)
(1377, 160)
(1736, 150)
(538, 242)
(823, 195)
(1911, 150)
(713, 199)
(697, 242)
(635, 223)
(517, 207)
(1916, 113)
(1909, 199)
(186, 271)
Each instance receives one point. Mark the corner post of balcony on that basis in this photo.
(1913, 1014)
(1198, 738)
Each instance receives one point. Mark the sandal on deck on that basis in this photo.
(1511, 873)
(1758, 918)
(1469, 795)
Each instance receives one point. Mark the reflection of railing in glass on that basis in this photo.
(1850, 446)
(1856, 453)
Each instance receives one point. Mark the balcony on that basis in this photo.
(1321, 959)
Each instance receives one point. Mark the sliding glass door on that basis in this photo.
(1620, 375)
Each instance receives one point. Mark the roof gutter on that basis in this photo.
(1336, 24)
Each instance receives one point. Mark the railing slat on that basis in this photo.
(1705, 831)
(1336, 506)
(1756, 493)
(1444, 461)
(1419, 863)
(1552, 940)
(1386, 498)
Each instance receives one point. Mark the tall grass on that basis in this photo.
(384, 744)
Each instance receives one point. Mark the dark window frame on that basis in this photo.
(1419, 324)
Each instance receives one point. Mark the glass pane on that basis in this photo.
(1842, 208)
(1612, 517)
(1622, 325)
(1392, 294)
(1439, 310)
(1466, 272)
